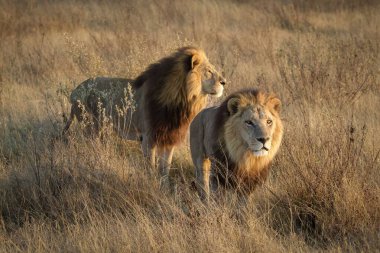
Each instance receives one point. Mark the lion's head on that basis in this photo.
(191, 77)
(253, 124)
(203, 72)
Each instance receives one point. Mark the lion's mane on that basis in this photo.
(245, 167)
(172, 95)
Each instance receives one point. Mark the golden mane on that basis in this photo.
(173, 88)
(247, 164)
(182, 84)
(177, 81)
(235, 145)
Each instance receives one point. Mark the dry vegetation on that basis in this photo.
(84, 195)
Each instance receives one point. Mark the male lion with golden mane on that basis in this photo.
(168, 95)
(232, 145)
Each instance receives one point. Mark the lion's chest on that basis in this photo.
(245, 173)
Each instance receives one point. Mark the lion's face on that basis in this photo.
(255, 123)
(212, 82)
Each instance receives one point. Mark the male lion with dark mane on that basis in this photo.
(232, 145)
(168, 95)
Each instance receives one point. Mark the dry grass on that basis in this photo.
(321, 57)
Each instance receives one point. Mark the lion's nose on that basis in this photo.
(263, 140)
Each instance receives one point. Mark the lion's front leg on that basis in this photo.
(203, 178)
(149, 150)
(165, 161)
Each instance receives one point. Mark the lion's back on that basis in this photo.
(105, 88)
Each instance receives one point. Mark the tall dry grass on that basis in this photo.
(86, 195)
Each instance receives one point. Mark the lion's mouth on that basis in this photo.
(261, 152)
(215, 92)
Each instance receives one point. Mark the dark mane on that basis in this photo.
(168, 124)
(160, 70)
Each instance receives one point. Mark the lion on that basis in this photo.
(167, 96)
(233, 144)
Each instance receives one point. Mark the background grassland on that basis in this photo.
(320, 57)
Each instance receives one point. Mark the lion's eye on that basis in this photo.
(208, 74)
(269, 122)
(249, 123)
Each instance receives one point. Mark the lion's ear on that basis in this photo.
(275, 103)
(233, 105)
(195, 60)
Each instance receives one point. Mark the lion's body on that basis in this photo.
(104, 96)
(224, 148)
(168, 95)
